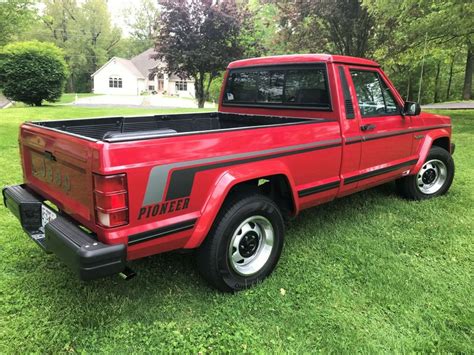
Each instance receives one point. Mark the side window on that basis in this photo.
(373, 95)
(390, 105)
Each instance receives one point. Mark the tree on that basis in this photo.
(260, 24)
(198, 38)
(14, 17)
(444, 24)
(467, 88)
(338, 26)
(32, 72)
(143, 20)
(83, 29)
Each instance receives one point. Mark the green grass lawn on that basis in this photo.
(370, 272)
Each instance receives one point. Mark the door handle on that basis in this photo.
(368, 127)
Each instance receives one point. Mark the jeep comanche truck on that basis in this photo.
(291, 132)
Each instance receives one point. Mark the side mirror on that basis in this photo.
(411, 108)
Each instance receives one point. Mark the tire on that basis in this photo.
(244, 244)
(434, 178)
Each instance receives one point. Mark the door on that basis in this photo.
(385, 135)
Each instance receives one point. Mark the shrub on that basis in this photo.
(32, 72)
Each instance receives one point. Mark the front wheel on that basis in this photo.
(244, 245)
(434, 178)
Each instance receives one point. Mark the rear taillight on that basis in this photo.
(111, 200)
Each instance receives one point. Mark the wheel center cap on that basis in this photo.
(429, 176)
(248, 244)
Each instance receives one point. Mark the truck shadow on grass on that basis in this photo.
(168, 269)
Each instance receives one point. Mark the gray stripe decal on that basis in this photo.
(159, 174)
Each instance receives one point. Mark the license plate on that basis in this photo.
(47, 215)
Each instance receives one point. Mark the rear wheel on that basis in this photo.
(244, 245)
(434, 178)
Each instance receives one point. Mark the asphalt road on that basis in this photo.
(462, 105)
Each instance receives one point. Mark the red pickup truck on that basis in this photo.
(291, 132)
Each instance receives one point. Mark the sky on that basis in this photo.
(116, 8)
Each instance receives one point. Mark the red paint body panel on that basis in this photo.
(347, 163)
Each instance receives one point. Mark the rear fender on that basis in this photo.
(424, 150)
(224, 183)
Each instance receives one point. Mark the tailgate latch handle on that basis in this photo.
(49, 156)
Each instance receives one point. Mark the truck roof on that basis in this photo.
(301, 58)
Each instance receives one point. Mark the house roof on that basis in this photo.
(140, 65)
(130, 66)
(144, 63)
(127, 63)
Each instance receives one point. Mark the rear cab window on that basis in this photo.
(302, 86)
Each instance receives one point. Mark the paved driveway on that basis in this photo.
(462, 105)
(151, 101)
(3, 101)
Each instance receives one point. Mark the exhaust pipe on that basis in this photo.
(127, 274)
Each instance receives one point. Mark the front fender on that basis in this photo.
(425, 147)
(224, 183)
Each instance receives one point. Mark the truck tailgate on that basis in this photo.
(58, 167)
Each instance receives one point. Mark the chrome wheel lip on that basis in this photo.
(431, 177)
(247, 266)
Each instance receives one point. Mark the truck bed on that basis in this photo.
(120, 129)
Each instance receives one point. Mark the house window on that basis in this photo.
(115, 82)
(181, 86)
(151, 87)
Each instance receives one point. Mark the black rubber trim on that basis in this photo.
(377, 172)
(347, 95)
(371, 137)
(319, 188)
(375, 136)
(161, 232)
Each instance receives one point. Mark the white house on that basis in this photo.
(121, 76)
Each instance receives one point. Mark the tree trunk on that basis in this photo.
(448, 90)
(199, 87)
(436, 88)
(407, 98)
(70, 83)
(467, 88)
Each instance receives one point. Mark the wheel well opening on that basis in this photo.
(442, 143)
(276, 187)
